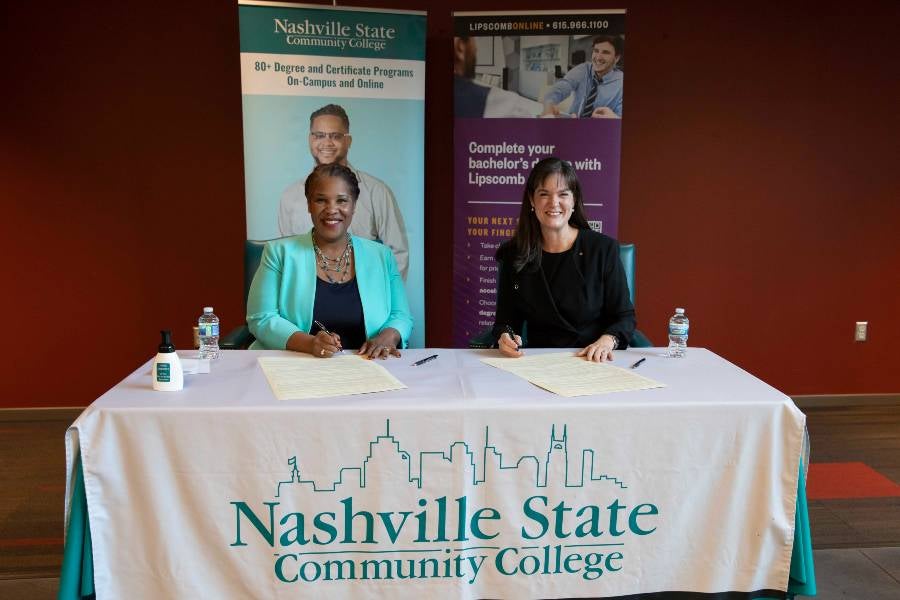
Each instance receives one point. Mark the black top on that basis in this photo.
(339, 308)
(571, 299)
(557, 269)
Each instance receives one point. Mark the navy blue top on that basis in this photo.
(469, 99)
(339, 308)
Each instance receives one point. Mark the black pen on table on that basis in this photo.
(325, 329)
(512, 336)
(424, 360)
(638, 363)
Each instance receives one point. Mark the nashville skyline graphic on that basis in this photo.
(549, 469)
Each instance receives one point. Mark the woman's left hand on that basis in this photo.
(382, 345)
(600, 350)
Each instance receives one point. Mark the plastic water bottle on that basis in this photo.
(209, 333)
(679, 325)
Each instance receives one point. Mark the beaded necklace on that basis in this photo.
(339, 265)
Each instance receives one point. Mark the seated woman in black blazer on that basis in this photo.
(560, 277)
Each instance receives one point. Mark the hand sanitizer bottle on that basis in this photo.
(167, 374)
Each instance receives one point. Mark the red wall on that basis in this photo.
(760, 183)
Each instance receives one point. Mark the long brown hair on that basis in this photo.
(528, 240)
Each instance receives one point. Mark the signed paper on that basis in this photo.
(569, 375)
(301, 377)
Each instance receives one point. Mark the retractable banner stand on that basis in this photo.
(527, 86)
(326, 84)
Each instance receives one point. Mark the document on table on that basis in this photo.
(569, 375)
(301, 377)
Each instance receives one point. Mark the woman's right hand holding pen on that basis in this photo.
(322, 345)
(510, 343)
(326, 344)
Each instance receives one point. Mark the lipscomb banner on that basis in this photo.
(323, 84)
(528, 86)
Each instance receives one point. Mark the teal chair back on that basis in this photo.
(241, 337)
(252, 255)
(626, 254)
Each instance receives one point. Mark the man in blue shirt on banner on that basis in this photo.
(597, 84)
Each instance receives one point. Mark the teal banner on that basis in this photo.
(323, 32)
(323, 85)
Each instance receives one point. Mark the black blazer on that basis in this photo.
(597, 304)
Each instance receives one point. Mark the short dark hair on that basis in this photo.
(332, 170)
(333, 110)
(528, 239)
(614, 40)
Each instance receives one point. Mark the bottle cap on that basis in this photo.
(679, 311)
(207, 309)
(166, 345)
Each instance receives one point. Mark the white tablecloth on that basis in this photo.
(471, 483)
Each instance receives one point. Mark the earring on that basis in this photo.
(532, 208)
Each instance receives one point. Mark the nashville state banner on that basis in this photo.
(527, 86)
(363, 501)
(322, 84)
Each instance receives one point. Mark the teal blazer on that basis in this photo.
(283, 291)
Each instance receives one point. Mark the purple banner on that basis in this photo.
(492, 159)
(518, 98)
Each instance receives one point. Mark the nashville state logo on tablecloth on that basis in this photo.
(458, 512)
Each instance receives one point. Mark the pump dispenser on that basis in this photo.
(168, 375)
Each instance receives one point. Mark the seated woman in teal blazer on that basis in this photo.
(326, 290)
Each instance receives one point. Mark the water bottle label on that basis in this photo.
(209, 329)
(678, 329)
(163, 373)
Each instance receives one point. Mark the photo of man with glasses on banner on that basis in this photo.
(377, 215)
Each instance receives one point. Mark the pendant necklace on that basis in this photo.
(340, 265)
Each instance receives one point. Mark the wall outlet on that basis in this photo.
(862, 331)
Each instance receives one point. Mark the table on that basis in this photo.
(471, 483)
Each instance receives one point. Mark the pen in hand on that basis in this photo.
(638, 363)
(512, 336)
(322, 327)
